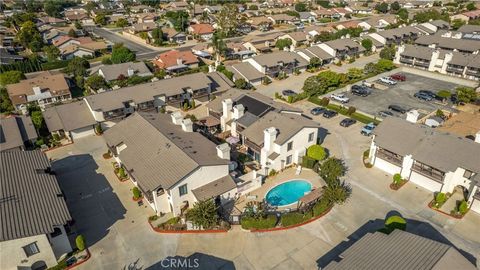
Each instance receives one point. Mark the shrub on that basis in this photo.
(397, 178)
(395, 222)
(290, 99)
(266, 80)
(439, 113)
(152, 218)
(444, 94)
(98, 129)
(308, 162)
(366, 153)
(80, 242)
(440, 198)
(320, 207)
(272, 173)
(136, 193)
(122, 173)
(463, 207)
(324, 101)
(351, 110)
(258, 223)
(294, 218)
(203, 214)
(316, 152)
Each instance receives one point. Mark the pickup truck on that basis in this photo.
(340, 97)
(368, 129)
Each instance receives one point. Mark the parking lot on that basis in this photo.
(402, 94)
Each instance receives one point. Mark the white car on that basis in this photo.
(340, 97)
(388, 80)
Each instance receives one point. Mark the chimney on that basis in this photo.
(187, 125)
(238, 111)
(37, 90)
(120, 147)
(477, 137)
(179, 61)
(130, 71)
(270, 134)
(223, 151)
(412, 116)
(177, 118)
(227, 108)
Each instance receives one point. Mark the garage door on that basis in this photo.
(82, 132)
(425, 182)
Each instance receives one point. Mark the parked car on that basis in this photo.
(340, 97)
(368, 129)
(423, 96)
(397, 108)
(428, 93)
(360, 90)
(347, 122)
(367, 84)
(317, 110)
(388, 80)
(288, 93)
(398, 77)
(385, 113)
(329, 114)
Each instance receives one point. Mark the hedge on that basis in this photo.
(395, 222)
(308, 162)
(294, 218)
(55, 64)
(261, 223)
(320, 207)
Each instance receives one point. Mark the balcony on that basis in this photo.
(473, 72)
(408, 61)
(390, 157)
(146, 106)
(110, 115)
(455, 69)
(429, 172)
(421, 63)
(253, 146)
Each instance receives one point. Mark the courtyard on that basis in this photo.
(119, 236)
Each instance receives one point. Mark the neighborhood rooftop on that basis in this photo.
(428, 145)
(68, 117)
(32, 202)
(162, 153)
(15, 130)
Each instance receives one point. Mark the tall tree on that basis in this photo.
(51, 52)
(367, 44)
(29, 36)
(121, 54)
(228, 19)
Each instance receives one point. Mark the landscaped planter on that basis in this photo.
(431, 205)
(394, 186)
(138, 199)
(116, 170)
(184, 230)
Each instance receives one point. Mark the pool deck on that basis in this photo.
(270, 182)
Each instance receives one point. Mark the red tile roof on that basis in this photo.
(202, 28)
(174, 57)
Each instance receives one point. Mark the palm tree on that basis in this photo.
(337, 192)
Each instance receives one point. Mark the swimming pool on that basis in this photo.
(288, 192)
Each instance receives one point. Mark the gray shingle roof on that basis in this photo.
(449, 43)
(214, 188)
(286, 124)
(162, 153)
(30, 203)
(344, 44)
(399, 250)
(245, 70)
(469, 28)
(428, 145)
(111, 72)
(68, 117)
(273, 59)
(421, 52)
(15, 130)
(316, 51)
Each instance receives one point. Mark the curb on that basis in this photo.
(78, 263)
(56, 147)
(294, 226)
(444, 213)
(186, 231)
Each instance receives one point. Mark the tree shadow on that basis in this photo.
(416, 227)
(93, 205)
(197, 260)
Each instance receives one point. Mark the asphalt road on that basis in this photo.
(115, 38)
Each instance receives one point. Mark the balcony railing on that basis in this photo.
(390, 157)
(457, 70)
(215, 114)
(422, 63)
(432, 173)
(471, 72)
(253, 146)
(406, 60)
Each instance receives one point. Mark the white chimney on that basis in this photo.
(270, 134)
(120, 147)
(412, 116)
(223, 151)
(187, 125)
(179, 61)
(177, 118)
(238, 111)
(37, 90)
(227, 108)
(477, 137)
(130, 71)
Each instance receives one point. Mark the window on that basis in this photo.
(310, 136)
(289, 160)
(31, 249)
(468, 174)
(56, 232)
(289, 146)
(182, 190)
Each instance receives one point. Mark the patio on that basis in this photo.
(258, 195)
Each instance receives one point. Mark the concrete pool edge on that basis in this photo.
(281, 183)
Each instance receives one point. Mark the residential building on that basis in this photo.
(35, 215)
(116, 71)
(261, 23)
(78, 14)
(236, 50)
(297, 38)
(469, 29)
(43, 89)
(282, 19)
(71, 121)
(262, 44)
(316, 51)
(111, 106)
(466, 16)
(16, 133)
(247, 72)
(7, 58)
(342, 48)
(173, 36)
(397, 36)
(142, 27)
(399, 250)
(176, 61)
(277, 63)
(450, 42)
(181, 168)
(423, 156)
(202, 31)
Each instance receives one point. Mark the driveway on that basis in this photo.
(118, 235)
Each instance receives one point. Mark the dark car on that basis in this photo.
(398, 77)
(329, 114)
(385, 113)
(423, 96)
(428, 93)
(397, 108)
(317, 110)
(288, 93)
(347, 122)
(361, 90)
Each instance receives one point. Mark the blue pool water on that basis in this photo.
(288, 192)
